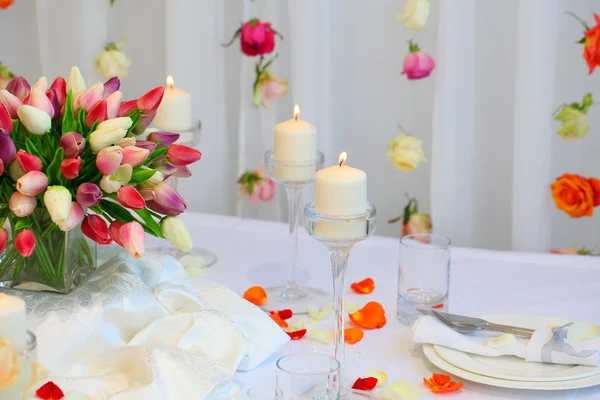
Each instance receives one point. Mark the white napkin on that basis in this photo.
(547, 345)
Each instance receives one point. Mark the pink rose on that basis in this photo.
(268, 86)
(257, 38)
(257, 186)
(417, 63)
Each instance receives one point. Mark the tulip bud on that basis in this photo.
(41, 83)
(154, 206)
(95, 228)
(97, 113)
(75, 217)
(149, 102)
(28, 162)
(60, 87)
(133, 236)
(70, 167)
(120, 123)
(3, 239)
(15, 172)
(22, 205)
(58, 200)
(51, 95)
(72, 143)
(111, 86)
(163, 138)
(109, 159)
(130, 198)
(75, 82)
(168, 198)
(176, 233)
(11, 102)
(88, 99)
(126, 107)
(113, 102)
(88, 194)
(25, 243)
(114, 232)
(182, 155)
(135, 156)
(126, 142)
(143, 124)
(32, 183)
(145, 191)
(123, 174)
(102, 138)
(38, 99)
(8, 151)
(36, 121)
(19, 87)
(146, 144)
(5, 119)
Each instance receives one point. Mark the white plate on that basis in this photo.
(439, 362)
(515, 368)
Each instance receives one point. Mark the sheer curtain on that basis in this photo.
(485, 115)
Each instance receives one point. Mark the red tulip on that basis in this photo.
(114, 232)
(70, 167)
(19, 87)
(32, 183)
(149, 102)
(3, 239)
(182, 155)
(88, 194)
(60, 87)
(22, 205)
(5, 119)
(126, 107)
(72, 143)
(25, 243)
(131, 198)
(28, 162)
(98, 113)
(163, 138)
(132, 235)
(135, 156)
(95, 228)
(11, 102)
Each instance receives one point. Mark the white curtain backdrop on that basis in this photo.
(503, 68)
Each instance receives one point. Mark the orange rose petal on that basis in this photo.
(442, 383)
(278, 320)
(371, 316)
(256, 295)
(353, 335)
(453, 387)
(596, 187)
(297, 335)
(365, 286)
(428, 382)
(441, 379)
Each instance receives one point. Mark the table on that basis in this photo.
(483, 282)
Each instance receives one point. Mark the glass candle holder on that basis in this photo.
(308, 377)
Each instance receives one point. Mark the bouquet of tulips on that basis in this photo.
(72, 159)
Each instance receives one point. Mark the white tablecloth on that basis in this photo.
(482, 283)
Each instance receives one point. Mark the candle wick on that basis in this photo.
(341, 162)
(295, 118)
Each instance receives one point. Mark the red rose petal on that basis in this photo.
(50, 392)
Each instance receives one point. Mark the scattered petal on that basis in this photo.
(354, 335)
(371, 316)
(501, 341)
(365, 286)
(278, 320)
(319, 314)
(441, 379)
(283, 314)
(366, 384)
(297, 335)
(437, 306)
(325, 336)
(441, 383)
(350, 307)
(50, 391)
(381, 376)
(256, 295)
(580, 331)
(452, 387)
(406, 389)
(298, 323)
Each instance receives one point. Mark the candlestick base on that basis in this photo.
(296, 299)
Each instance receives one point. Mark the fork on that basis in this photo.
(469, 328)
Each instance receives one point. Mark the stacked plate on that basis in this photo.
(513, 372)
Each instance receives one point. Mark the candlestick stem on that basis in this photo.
(294, 194)
(339, 264)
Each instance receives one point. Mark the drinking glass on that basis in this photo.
(424, 275)
(265, 393)
(308, 377)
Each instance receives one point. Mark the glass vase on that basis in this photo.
(59, 261)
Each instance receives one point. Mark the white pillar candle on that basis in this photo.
(295, 143)
(175, 111)
(341, 191)
(13, 320)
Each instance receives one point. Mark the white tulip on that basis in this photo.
(109, 185)
(75, 81)
(123, 174)
(58, 202)
(176, 233)
(415, 14)
(121, 122)
(42, 83)
(36, 121)
(101, 138)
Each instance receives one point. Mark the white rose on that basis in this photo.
(113, 61)
(405, 152)
(415, 14)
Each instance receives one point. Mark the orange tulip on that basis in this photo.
(371, 316)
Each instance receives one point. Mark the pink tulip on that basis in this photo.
(145, 191)
(95, 228)
(5, 119)
(8, 151)
(22, 205)
(126, 107)
(51, 95)
(11, 102)
(88, 194)
(143, 123)
(25, 243)
(76, 215)
(133, 237)
(1, 166)
(146, 144)
(417, 63)
(113, 103)
(72, 143)
(60, 88)
(163, 138)
(19, 87)
(98, 113)
(109, 159)
(168, 199)
(130, 198)
(135, 156)
(38, 99)
(3, 239)
(148, 103)
(42, 83)
(111, 86)
(114, 232)
(126, 142)
(32, 183)
(88, 99)
(28, 162)
(182, 155)
(70, 167)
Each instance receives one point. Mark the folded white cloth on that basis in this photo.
(146, 330)
(549, 345)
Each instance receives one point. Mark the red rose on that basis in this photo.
(257, 38)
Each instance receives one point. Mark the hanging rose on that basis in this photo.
(4, 4)
(576, 195)
(268, 86)
(405, 152)
(412, 221)
(417, 63)
(113, 61)
(574, 119)
(256, 185)
(415, 14)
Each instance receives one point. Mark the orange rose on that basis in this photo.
(6, 3)
(591, 49)
(575, 195)
(596, 186)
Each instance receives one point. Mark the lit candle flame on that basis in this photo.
(296, 112)
(170, 82)
(343, 158)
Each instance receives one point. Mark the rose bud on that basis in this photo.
(126, 142)
(109, 159)
(417, 64)
(22, 205)
(28, 162)
(11, 102)
(111, 86)
(75, 82)
(72, 143)
(25, 243)
(135, 156)
(97, 113)
(113, 102)
(8, 151)
(133, 237)
(5, 119)
(90, 97)
(126, 108)
(163, 138)
(3, 239)
(51, 95)
(130, 198)
(19, 87)
(32, 183)
(114, 232)
(182, 155)
(146, 144)
(60, 88)
(58, 200)
(95, 228)
(38, 99)
(176, 233)
(149, 102)
(36, 121)
(88, 194)
(168, 199)
(70, 167)
(257, 38)
(75, 217)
